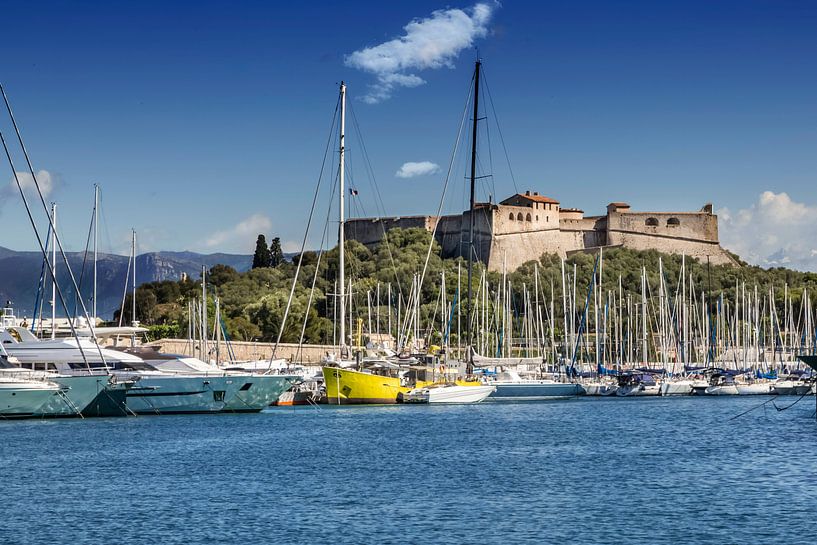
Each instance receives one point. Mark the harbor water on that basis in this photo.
(648, 470)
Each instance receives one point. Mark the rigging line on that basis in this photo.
(499, 130)
(85, 255)
(317, 268)
(306, 234)
(490, 155)
(51, 224)
(378, 196)
(40, 242)
(445, 188)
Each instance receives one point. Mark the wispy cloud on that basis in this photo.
(47, 182)
(775, 231)
(241, 237)
(429, 43)
(421, 168)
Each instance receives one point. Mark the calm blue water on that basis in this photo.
(583, 471)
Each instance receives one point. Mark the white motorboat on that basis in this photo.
(448, 393)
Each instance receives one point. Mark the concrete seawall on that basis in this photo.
(243, 351)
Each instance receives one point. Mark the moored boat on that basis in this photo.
(447, 393)
(637, 384)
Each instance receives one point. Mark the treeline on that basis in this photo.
(253, 303)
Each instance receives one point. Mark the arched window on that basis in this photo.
(511, 216)
(537, 217)
(519, 216)
(673, 222)
(547, 218)
(651, 222)
(527, 218)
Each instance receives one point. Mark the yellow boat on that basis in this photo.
(380, 383)
(352, 387)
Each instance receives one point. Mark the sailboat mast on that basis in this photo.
(133, 285)
(96, 234)
(472, 215)
(341, 219)
(54, 276)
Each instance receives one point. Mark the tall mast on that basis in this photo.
(471, 215)
(96, 234)
(54, 275)
(133, 283)
(341, 235)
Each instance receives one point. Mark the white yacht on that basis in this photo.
(255, 391)
(80, 390)
(90, 371)
(22, 396)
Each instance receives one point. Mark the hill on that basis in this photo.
(20, 273)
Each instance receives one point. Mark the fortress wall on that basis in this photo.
(518, 248)
(449, 230)
(369, 231)
(693, 248)
(700, 226)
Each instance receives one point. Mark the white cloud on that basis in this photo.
(775, 231)
(430, 43)
(412, 169)
(241, 237)
(47, 182)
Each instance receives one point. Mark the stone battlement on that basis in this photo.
(525, 226)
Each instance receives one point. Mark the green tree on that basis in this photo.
(222, 274)
(261, 258)
(276, 253)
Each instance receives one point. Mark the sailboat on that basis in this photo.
(352, 383)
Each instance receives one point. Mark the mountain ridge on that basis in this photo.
(20, 272)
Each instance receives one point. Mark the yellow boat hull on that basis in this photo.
(350, 387)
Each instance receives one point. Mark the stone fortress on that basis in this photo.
(525, 226)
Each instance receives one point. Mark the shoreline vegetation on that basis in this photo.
(253, 302)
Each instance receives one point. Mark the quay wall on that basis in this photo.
(248, 351)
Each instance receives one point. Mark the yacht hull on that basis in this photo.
(78, 393)
(258, 392)
(24, 399)
(754, 389)
(600, 389)
(169, 394)
(534, 390)
(638, 391)
(350, 387)
(679, 388)
(449, 394)
(730, 390)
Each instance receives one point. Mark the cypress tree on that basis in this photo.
(276, 253)
(261, 258)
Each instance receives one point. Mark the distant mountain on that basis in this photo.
(20, 273)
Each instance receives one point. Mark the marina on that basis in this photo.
(495, 272)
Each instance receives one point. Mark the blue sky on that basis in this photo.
(205, 124)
